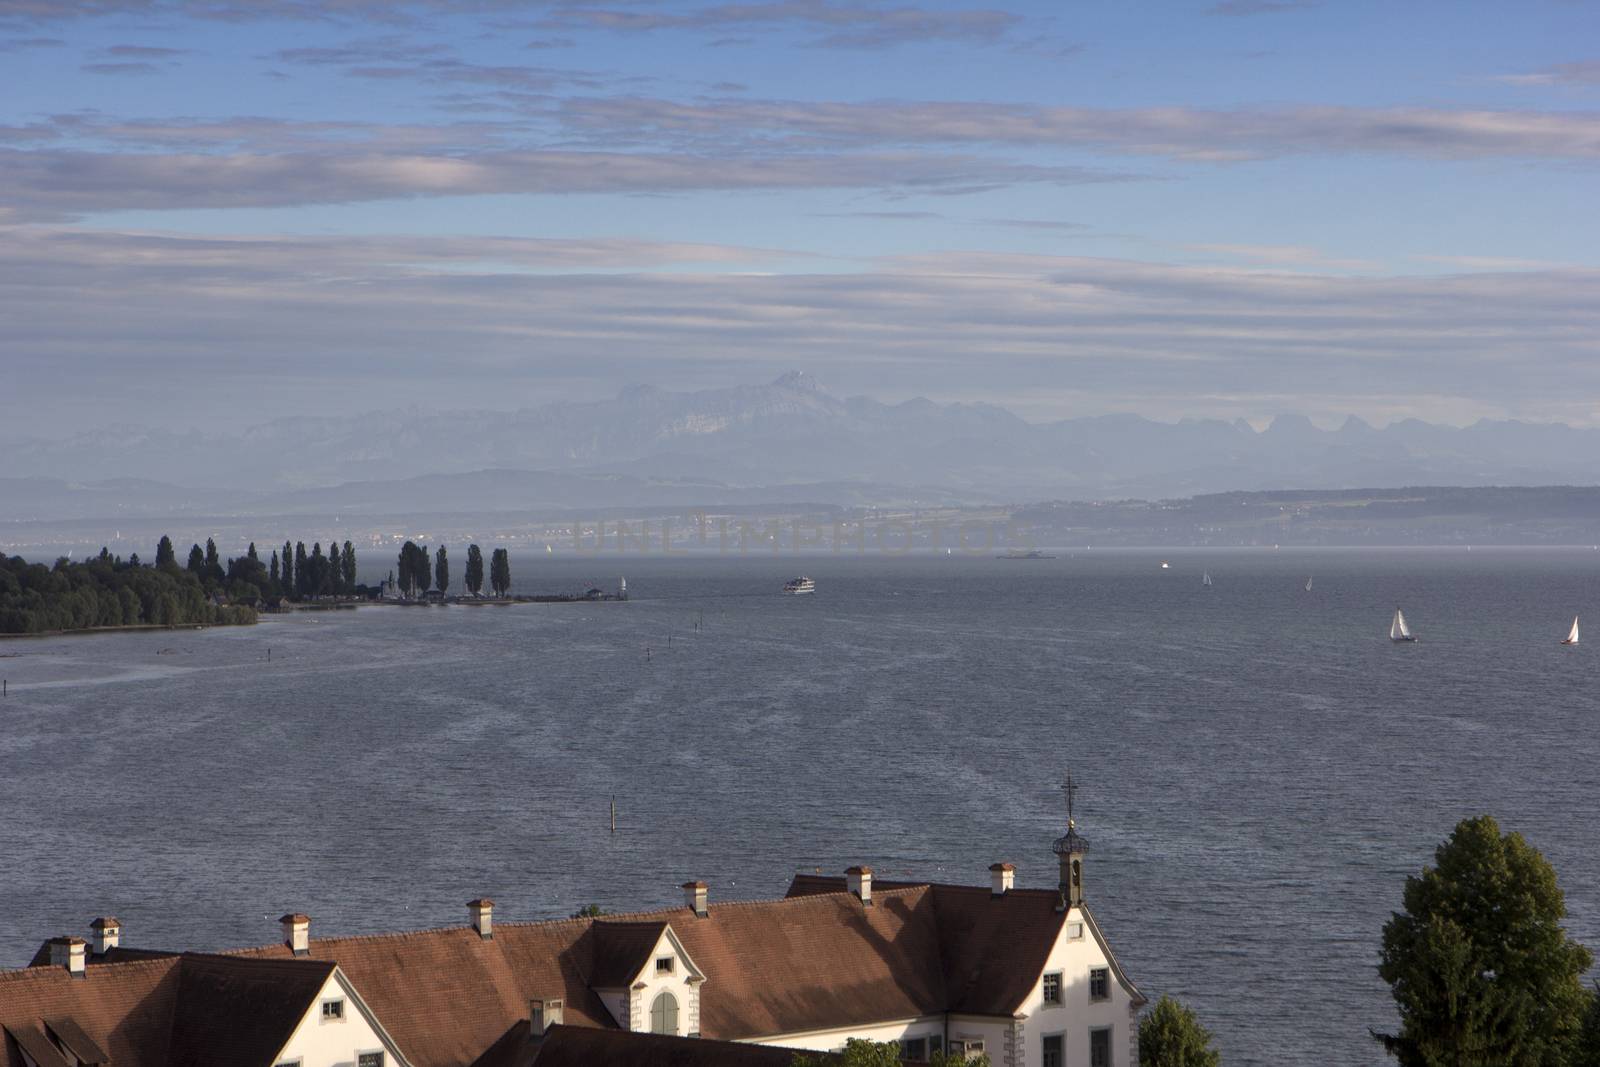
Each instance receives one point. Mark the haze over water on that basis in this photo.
(1261, 767)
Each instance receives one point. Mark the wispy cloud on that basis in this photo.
(1178, 132)
(1584, 72)
(380, 310)
(124, 69)
(1290, 257)
(1247, 8)
(49, 183)
(836, 25)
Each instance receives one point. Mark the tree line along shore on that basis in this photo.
(110, 592)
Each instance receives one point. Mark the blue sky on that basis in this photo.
(237, 209)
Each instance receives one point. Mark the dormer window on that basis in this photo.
(332, 1011)
(665, 965)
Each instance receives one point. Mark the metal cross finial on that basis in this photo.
(1071, 790)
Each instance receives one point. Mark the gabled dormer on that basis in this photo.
(646, 978)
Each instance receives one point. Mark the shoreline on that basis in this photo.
(144, 627)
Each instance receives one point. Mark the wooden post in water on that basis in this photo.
(613, 813)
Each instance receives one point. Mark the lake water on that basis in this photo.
(1261, 768)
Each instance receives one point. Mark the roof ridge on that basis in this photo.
(18, 974)
(664, 914)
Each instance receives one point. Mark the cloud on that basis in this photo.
(866, 26)
(1177, 132)
(49, 183)
(26, 44)
(1301, 257)
(1034, 224)
(892, 216)
(140, 51)
(121, 69)
(154, 309)
(1247, 8)
(1583, 72)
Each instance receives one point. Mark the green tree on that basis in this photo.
(858, 1052)
(213, 571)
(500, 572)
(286, 561)
(589, 911)
(164, 553)
(273, 570)
(1482, 972)
(197, 561)
(1171, 1036)
(474, 577)
(347, 567)
(441, 571)
(1588, 1053)
(302, 571)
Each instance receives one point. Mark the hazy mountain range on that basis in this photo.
(789, 440)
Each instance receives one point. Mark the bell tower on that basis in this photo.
(1069, 849)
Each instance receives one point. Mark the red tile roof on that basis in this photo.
(175, 1011)
(620, 950)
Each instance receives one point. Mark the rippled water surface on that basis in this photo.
(1261, 767)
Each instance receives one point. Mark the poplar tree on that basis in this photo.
(272, 571)
(197, 560)
(164, 553)
(302, 579)
(286, 558)
(347, 567)
(500, 572)
(441, 571)
(474, 576)
(213, 570)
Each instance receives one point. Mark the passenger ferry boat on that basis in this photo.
(799, 586)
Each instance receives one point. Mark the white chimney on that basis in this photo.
(543, 1014)
(297, 933)
(107, 934)
(482, 914)
(694, 898)
(1002, 876)
(859, 881)
(68, 952)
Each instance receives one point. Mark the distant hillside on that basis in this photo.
(766, 442)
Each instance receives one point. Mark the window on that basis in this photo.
(332, 1010)
(1100, 1047)
(664, 964)
(664, 1014)
(914, 1048)
(1052, 988)
(935, 1044)
(1099, 983)
(1054, 1055)
(1075, 931)
(369, 1059)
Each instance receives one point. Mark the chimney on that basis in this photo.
(859, 881)
(297, 933)
(694, 898)
(482, 913)
(543, 1014)
(68, 952)
(107, 934)
(1001, 878)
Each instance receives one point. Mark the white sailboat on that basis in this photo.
(1398, 630)
(1308, 585)
(1572, 635)
(1205, 579)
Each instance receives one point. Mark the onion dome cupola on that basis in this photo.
(1069, 849)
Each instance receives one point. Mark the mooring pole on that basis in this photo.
(613, 813)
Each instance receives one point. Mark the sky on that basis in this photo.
(219, 212)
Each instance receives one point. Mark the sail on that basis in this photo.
(1308, 585)
(1572, 636)
(1205, 579)
(1398, 631)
